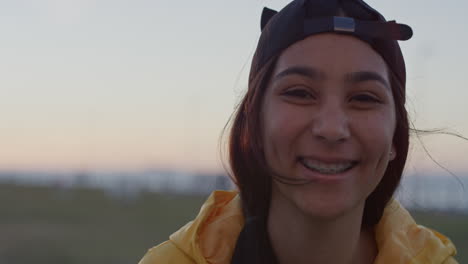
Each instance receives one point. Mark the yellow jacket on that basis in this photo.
(212, 236)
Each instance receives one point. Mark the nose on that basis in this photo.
(331, 124)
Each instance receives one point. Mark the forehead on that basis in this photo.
(332, 54)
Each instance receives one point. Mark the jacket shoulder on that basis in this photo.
(401, 240)
(166, 253)
(450, 260)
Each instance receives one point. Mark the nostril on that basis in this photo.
(333, 139)
(331, 123)
(336, 133)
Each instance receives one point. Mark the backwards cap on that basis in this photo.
(302, 18)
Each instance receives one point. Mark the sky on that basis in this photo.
(139, 84)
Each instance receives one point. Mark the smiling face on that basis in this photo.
(328, 117)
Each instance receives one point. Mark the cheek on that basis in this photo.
(378, 128)
(376, 136)
(377, 140)
(281, 128)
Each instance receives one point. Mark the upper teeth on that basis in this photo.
(327, 168)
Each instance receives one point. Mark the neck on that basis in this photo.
(298, 238)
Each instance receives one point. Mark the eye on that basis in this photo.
(299, 94)
(365, 98)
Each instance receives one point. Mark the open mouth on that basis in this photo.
(327, 167)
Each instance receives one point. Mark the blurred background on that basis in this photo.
(111, 116)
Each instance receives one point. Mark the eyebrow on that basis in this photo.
(314, 74)
(363, 76)
(309, 72)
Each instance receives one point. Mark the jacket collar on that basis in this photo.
(212, 236)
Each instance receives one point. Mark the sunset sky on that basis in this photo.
(101, 84)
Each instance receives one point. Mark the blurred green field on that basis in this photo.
(70, 226)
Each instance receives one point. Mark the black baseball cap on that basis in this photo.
(303, 18)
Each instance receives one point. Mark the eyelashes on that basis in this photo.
(299, 93)
(306, 95)
(366, 98)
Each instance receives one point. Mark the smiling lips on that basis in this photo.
(327, 167)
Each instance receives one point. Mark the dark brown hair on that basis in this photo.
(246, 156)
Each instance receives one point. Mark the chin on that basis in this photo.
(328, 212)
(326, 204)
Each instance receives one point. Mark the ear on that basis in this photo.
(267, 14)
(393, 153)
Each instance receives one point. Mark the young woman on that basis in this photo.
(317, 149)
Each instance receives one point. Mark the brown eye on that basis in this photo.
(299, 93)
(365, 98)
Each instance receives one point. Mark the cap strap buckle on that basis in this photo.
(344, 24)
